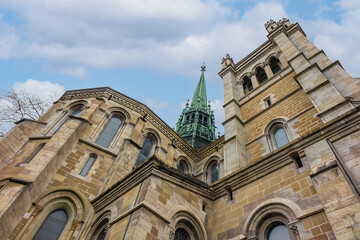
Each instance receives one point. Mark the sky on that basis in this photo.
(152, 50)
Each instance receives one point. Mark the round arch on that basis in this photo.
(119, 110)
(270, 212)
(70, 200)
(185, 160)
(188, 221)
(86, 103)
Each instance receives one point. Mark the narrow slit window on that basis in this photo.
(297, 159)
(214, 173)
(87, 166)
(268, 102)
(34, 153)
(109, 131)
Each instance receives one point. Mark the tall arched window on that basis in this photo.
(275, 65)
(247, 84)
(52, 226)
(35, 152)
(278, 231)
(183, 166)
(261, 75)
(74, 111)
(145, 151)
(280, 137)
(181, 234)
(109, 131)
(88, 165)
(214, 173)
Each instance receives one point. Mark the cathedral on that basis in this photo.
(99, 165)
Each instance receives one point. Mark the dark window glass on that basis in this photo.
(278, 232)
(87, 166)
(109, 132)
(181, 234)
(52, 226)
(181, 167)
(280, 137)
(76, 112)
(268, 101)
(275, 65)
(145, 151)
(205, 119)
(261, 75)
(34, 153)
(214, 173)
(102, 235)
(248, 87)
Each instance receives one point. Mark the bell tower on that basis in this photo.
(197, 122)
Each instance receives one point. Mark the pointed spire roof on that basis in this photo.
(199, 100)
(196, 123)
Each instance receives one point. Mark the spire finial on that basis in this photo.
(203, 67)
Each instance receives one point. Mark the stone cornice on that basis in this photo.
(152, 167)
(280, 157)
(94, 145)
(29, 120)
(254, 56)
(143, 110)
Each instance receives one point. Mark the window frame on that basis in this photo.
(47, 218)
(270, 131)
(105, 124)
(278, 63)
(151, 152)
(95, 157)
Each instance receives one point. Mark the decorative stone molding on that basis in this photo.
(37, 210)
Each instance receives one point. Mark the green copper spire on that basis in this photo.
(199, 100)
(197, 122)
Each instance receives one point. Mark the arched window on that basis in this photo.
(88, 165)
(183, 166)
(35, 152)
(52, 226)
(74, 111)
(145, 151)
(278, 231)
(214, 173)
(261, 75)
(275, 65)
(109, 131)
(247, 84)
(181, 234)
(280, 137)
(102, 234)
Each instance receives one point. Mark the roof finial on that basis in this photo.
(203, 67)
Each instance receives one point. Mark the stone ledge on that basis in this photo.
(29, 120)
(322, 167)
(94, 145)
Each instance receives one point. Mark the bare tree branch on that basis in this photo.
(16, 105)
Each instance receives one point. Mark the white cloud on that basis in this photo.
(168, 35)
(155, 103)
(44, 89)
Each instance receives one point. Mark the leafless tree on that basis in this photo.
(16, 105)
